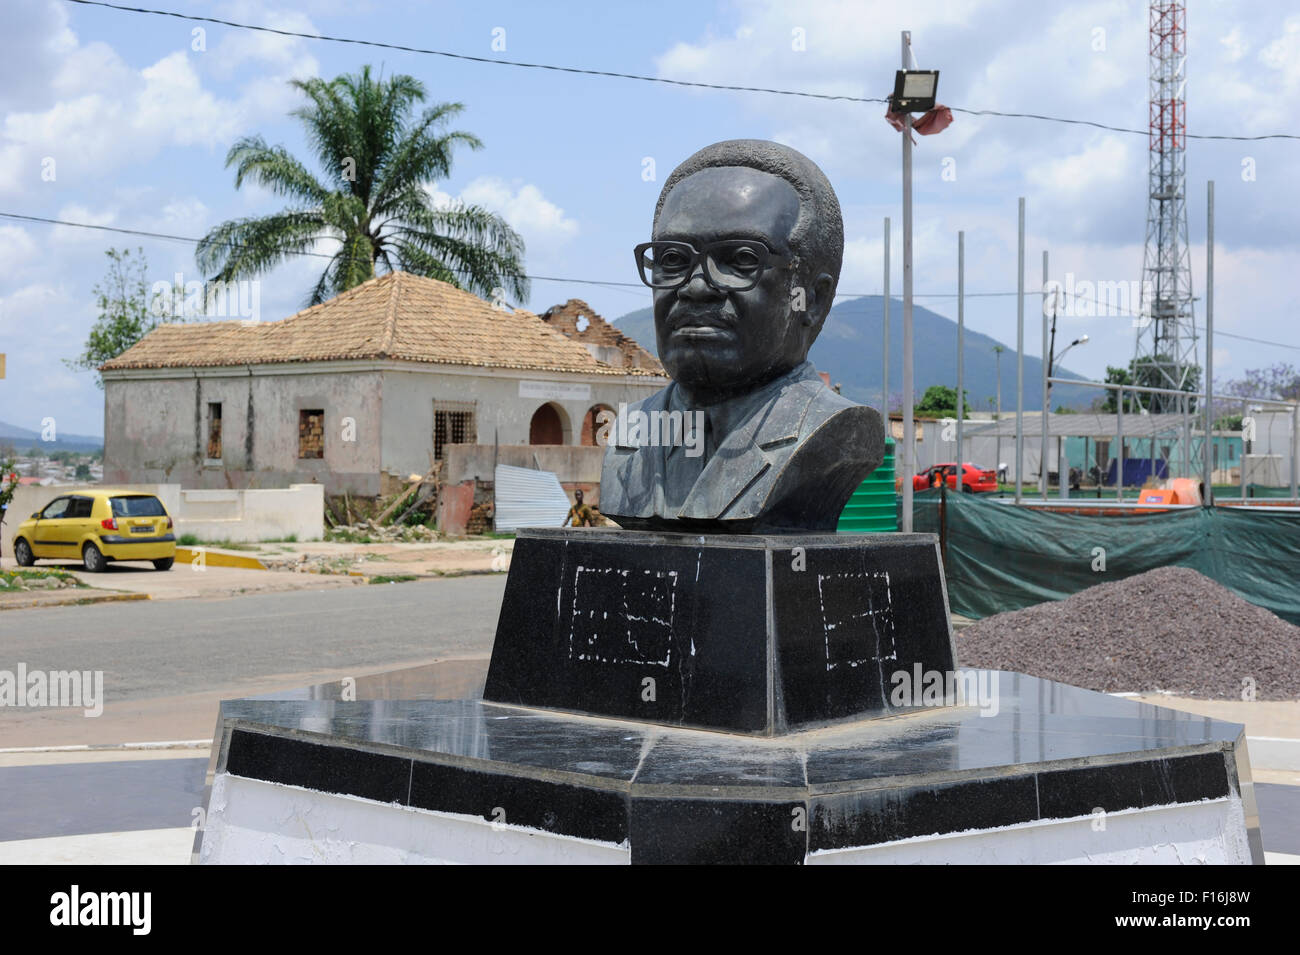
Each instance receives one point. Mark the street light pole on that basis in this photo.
(961, 351)
(909, 426)
(1020, 354)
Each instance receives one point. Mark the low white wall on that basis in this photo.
(248, 515)
(253, 515)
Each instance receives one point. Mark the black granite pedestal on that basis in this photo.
(1056, 774)
(674, 698)
(751, 634)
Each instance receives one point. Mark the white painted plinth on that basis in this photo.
(255, 822)
(1212, 832)
(250, 822)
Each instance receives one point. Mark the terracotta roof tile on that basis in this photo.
(396, 316)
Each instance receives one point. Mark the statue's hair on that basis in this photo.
(817, 239)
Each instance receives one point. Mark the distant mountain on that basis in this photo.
(23, 438)
(848, 349)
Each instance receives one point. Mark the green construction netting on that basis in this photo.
(1001, 557)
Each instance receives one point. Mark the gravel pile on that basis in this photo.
(1169, 629)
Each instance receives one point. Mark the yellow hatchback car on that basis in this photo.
(96, 526)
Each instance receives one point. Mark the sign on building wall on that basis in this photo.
(555, 390)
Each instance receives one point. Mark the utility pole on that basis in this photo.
(1047, 363)
(997, 441)
(1020, 353)
(1207, 445)
(961, 351)
(909, 426)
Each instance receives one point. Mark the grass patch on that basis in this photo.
(291, 539)
(26, 578)
(187, 540)
(343, 535)
(392, 578)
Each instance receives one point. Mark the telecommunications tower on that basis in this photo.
(1166, 336)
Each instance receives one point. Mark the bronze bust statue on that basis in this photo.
(748, 242)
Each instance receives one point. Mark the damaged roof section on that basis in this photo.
(576, 319)
(397, 316)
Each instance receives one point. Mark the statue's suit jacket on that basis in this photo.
(791, 463)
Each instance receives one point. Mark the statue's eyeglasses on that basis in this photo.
(732, 265)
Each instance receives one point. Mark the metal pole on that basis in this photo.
(1020, 351)
(1295, 451)
(1245, 413)
(1119, 434)
(909, 426)
(961, 351)
(884, 381)
(1047, 360)
(1062, 467)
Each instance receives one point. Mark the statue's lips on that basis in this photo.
(702, 327)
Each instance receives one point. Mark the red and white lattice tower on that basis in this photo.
(1166, 338)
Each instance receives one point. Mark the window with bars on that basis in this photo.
(453, 423)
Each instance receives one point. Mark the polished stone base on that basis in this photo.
(757, 634)
(419, 768)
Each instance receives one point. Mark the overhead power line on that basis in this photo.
(496, 61)
(590, 281)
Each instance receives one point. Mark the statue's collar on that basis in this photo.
(725, 416)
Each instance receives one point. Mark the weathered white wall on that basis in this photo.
(156, 422)
(572, 464)
(500, 413)
(156, 428)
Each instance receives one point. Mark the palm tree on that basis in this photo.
(374, 199)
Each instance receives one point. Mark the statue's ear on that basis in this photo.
(820, 298)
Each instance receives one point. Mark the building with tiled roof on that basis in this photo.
(380, 378)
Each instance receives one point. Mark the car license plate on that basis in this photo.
(141, 530)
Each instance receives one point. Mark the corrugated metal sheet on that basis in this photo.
(528, 498)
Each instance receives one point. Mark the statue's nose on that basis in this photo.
(697, 287)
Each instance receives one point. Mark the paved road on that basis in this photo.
(165, 648)
(167, 664)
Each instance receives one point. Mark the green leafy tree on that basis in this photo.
(1146, 373)
(124, 312)
(378, 161)
(940, 401)
(8, 474)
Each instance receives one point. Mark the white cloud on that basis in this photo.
(107, 114)
(523, 206)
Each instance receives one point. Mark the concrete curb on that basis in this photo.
(101, 747)
(217, 558)
(72, 600)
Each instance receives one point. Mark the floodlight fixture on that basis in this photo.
(915, 91)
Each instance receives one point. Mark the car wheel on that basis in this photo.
(93, 559)
(164, 563)
(23, 553)
(967, 489)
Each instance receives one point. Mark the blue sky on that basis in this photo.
(138, 123)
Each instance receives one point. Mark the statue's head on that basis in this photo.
(748, 243)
